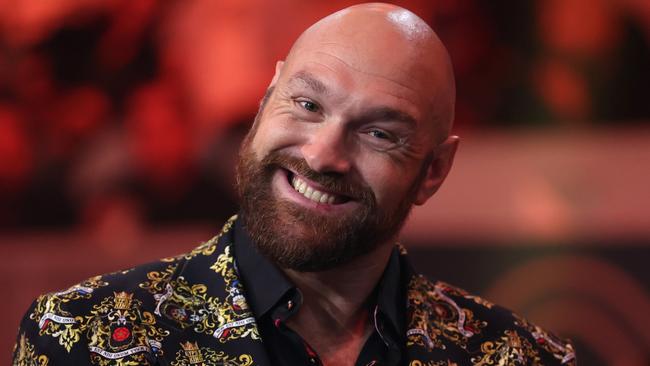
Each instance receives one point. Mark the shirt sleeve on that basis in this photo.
(29, 348)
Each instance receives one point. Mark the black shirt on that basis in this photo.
(274, 299)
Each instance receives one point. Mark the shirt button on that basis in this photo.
(289, 305)
(313, 361)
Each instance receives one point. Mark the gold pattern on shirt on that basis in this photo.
(209, 246)
(561, 349)
(25, 355)
(432, 363)
(509, 350)
(157, 280)
(53, 320)
(435, 315)
(119, 331)
(191, 354)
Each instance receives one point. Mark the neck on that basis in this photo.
(344, 289)
(334, 310)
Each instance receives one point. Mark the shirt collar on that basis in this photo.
(263, 282)
(391, 294)
(266, 285)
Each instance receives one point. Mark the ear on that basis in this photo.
(437, 170)
(278, 70)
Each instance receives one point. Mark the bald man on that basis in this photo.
(353, 131)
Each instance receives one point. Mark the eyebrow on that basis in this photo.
(389, 114)
(304, 77)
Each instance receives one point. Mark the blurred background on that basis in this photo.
(120, 123)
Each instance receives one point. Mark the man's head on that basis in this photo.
(353, 131)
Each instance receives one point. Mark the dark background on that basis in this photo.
(120, 123)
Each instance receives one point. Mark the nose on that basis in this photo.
(326, 151)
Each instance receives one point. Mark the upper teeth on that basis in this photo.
(310, 193)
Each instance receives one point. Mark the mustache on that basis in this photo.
(334, 182)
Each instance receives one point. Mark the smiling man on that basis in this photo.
(353, 131)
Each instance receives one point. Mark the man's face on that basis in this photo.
(336, 157)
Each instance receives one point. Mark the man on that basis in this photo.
(353, 131)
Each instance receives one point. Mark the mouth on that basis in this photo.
(314, 191)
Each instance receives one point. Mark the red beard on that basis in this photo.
(303, 240)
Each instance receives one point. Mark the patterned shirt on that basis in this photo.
(193, 310)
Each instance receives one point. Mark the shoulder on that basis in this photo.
(442, 316)
(114, 316)
(58, 323)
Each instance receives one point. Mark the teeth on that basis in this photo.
(310, 193)
(316, 196)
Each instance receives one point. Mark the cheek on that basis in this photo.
(382, 176)
(389, 180)
(274, 135)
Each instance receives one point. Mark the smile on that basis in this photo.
(314, 194)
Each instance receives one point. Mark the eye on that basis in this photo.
(308, 105)
(379, 134)
(381, 139)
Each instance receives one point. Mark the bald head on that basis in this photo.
(354, 132)
(389, 42)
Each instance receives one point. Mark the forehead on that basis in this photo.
(353, 71)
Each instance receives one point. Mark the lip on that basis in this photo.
(285, 190)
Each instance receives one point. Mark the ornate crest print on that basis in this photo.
(56, 322)
(189, 305)
(119, 330)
